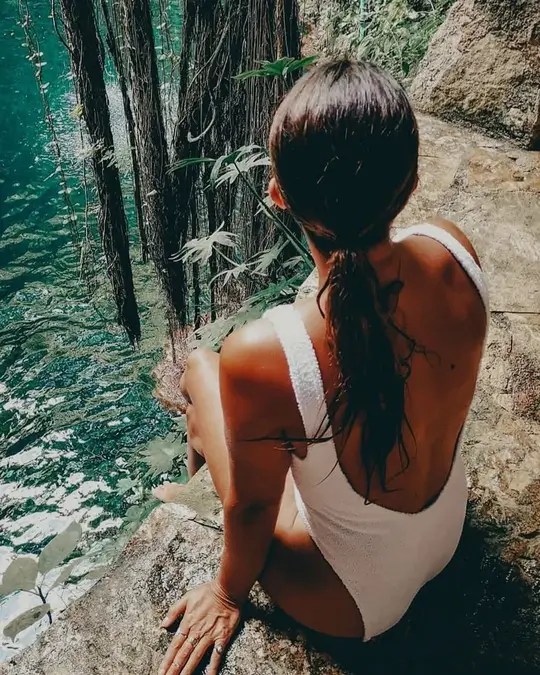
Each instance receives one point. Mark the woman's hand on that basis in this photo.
(208, 623)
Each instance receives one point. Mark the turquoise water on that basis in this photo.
(75, 399)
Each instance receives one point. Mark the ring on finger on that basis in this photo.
(193, 641)
(218, 648)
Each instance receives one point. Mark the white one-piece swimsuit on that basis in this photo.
(383, 557)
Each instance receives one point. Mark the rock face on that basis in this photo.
(482, 615)
(483, 68)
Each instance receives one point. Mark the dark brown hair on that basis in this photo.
(344, 151)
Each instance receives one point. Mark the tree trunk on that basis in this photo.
(163, 229)
(219, 40)
(116, 56)
(87, 65)
(287, 28)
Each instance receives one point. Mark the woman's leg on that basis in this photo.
(205, 426)
(296, 575)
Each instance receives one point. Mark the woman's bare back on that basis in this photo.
(441, 310)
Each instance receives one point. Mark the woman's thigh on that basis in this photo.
(205, 424)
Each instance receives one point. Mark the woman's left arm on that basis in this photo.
(258, 469)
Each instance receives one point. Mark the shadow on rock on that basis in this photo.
(479, 616)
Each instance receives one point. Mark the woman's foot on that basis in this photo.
(168, 492)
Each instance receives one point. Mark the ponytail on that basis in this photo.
(360, 332)
(344, 152)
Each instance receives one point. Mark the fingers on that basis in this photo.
(174, 612)
(182, 655)
(170, 654)
(215, 659)
(186, 652)
(193, 659)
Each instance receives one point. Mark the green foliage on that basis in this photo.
(211, 335)
(25, 620)
(64, 575)
(190, 161)
(59, 548)
(225, 171)
(278, 278)
(395, 34)
(20, 575)
(200, 250)
(240, 162)
(160, 454)
(279, 68)
(125, 485)
(26, 574)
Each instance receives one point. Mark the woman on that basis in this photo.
(331, 428)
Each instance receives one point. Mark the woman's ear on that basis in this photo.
(275, 194)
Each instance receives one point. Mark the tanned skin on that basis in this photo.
(245, 393)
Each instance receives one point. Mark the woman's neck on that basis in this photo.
(384, 258)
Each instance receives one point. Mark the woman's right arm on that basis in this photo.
(258, 467)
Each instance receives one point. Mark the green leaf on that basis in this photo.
(278, 68)
(20, 575)
(297, 64)
(231, 158)
(233, 273)
(59, 548)
(159, 455)
(25, 620)
(266, 258)
(190, 161)
(265, 204)
(133, 515)
(200, 250)
(64, 575)
(247, 74)
(125, 485)
(243, 165)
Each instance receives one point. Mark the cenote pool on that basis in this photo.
(75, 399)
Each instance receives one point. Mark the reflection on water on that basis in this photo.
(75, 400)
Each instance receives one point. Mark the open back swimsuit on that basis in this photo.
(382, 556)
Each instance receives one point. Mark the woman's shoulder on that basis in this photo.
(248, 352)
(447, 280)
(457, 233)
(254, 373)
(253, 354)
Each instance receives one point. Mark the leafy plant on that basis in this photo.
(226, 170)
(29, 575)
(159, 456)
(279, 68)
(398, 32)
(395, 34)
(26, 619)
(200, 250)
(211, 335)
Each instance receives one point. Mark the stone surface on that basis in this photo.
(482, 615)
(114, 629)
(483, 67)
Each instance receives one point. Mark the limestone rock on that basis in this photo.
(483, 67)
(114, 629)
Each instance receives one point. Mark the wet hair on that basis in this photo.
(344, 151)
